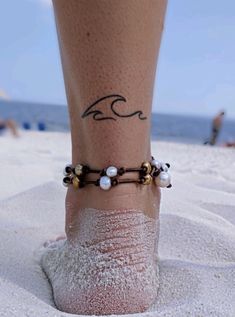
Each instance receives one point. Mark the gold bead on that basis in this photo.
(76, 182)
(78, 169)
(147, 180)
(147, 167)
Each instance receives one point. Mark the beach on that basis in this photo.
(197, 226)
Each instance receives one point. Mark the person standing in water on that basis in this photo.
(216, 128)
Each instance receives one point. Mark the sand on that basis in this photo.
(197, 236)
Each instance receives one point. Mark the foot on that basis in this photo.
(108, 264)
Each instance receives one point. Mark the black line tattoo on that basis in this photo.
(99, 114)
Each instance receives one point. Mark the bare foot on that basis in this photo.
(108, 264)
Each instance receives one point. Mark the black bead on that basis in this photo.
(156, 173)
(103, 172)
(68, 169)
(67, 180)
(121, 171)
(114, 182)
(85, 169)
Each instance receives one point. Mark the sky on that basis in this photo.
(196, 67)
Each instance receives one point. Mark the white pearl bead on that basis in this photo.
(156, 164)
(78, 169)
(163, 179)
(105, 182)
(111, 171)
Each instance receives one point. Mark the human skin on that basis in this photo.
(110, 48)
(11, 125)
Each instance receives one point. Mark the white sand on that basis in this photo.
(197, 240)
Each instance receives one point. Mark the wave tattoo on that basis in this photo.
(99, 110)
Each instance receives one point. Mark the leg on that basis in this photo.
(108, 48)
(214, 136)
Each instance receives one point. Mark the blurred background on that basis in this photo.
(195, 76)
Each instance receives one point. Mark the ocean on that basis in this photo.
(176, 128)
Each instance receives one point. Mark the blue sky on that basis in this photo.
(196, 70)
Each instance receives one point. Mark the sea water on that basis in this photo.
(178, 128)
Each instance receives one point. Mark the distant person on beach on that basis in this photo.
(230, 144)
(216, 128)
(9, 124)
(108, 262)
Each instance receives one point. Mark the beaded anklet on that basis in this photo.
(112, 176)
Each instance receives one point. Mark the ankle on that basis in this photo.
(127, 197)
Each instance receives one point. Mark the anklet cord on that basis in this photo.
(112, 176)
